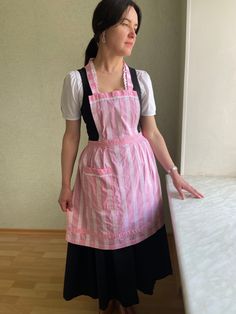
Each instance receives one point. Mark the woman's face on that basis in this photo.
(121, 37)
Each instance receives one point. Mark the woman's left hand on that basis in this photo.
(180, 185)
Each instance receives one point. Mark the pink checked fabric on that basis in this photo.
(117, 195)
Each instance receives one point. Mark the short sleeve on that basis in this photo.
(72, 96)
(148, 101)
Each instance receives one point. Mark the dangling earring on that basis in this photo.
(103, 38)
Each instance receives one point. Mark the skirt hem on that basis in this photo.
(124, 304)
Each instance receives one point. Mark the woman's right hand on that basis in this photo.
(65, 199)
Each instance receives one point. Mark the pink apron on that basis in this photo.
(117, 198)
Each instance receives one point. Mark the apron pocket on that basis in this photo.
(100, 189)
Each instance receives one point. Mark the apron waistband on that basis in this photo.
(118, 141)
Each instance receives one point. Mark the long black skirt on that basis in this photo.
(117, 274)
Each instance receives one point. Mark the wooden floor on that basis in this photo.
(31, 279)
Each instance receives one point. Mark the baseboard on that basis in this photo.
(31, 231)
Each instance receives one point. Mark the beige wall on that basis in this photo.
(209, 142)
(40, 42)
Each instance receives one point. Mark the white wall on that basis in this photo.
(209, 128)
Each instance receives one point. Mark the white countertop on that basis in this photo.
(205, 238)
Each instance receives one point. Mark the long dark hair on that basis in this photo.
(106, 14)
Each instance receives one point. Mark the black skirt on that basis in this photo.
(117, 274)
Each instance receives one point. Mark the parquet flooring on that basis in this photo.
(31, 279)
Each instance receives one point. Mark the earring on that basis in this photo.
(103, 38)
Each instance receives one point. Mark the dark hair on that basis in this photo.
(106, 14)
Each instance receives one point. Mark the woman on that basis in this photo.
(116, 234)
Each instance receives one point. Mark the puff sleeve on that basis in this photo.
(147, 95)
(72, 96)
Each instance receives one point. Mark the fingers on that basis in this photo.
(65, 199)
(62, 205)
(193, 191)
(187, 187)
(181, 193)
(65, 205)
(69, 206)
(181, 185)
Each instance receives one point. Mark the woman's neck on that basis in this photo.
(108, 64)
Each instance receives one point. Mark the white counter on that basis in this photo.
(205, 238)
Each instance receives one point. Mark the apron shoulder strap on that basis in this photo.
(85, 82)
(137, 88)
(86, 109)
(135, 82)
(86, 89)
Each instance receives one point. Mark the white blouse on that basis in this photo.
(72, 95)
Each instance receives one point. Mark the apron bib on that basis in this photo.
(117, 198)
